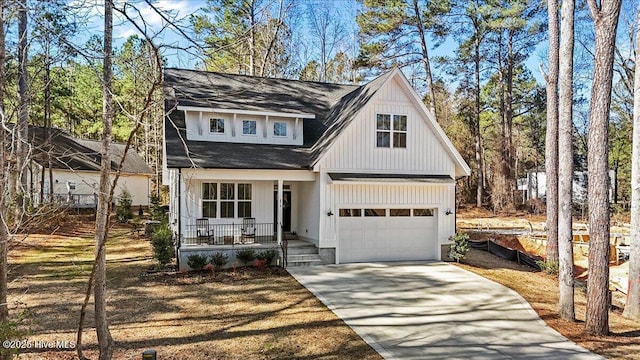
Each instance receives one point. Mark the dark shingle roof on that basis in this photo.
(72, 153)
(333, 105)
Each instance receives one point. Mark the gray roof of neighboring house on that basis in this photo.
(333, 105)
(73, 153)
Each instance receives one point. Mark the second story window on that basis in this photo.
(391, 134)
(216, 126)
(279, 129)
(248, 127)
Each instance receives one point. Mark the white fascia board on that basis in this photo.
(248, 174)
(247, 112)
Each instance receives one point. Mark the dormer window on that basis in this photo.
(279, 129)
(216, 126)
(248, 127)
(391, 134)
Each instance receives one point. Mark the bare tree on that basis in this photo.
(4, 236)
(328, 31)
(565, 163)
(551, 142)
(104, 202)
(632, 306)
(605, 15)
(23, 110)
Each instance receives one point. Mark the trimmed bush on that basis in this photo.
(460, 246)
(268, 255)
(162, 243)
(196, 262)
(219, 260)
(246, 256)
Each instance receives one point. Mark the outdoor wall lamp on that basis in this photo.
(330, 213)
(448, 212)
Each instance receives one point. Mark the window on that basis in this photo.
(399, 212)
(375, 212)
(391, 133)
(399, 131)
(216, 126)
(350, 212)
(383, 130)
(248, 127)
(422, 212)
(209, 196)
(244, 200)
(279, 129)
(227, 197)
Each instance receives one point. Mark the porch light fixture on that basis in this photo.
(448, 212)
(330, 213)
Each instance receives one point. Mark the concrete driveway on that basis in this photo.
(434, 310)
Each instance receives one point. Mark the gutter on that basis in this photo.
(179, 240)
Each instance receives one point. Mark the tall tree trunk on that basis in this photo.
(4, 236)
(23, 110)
(606, 23)
(476, 126)
(632, 307)
(511, 161)
(252, 38)
(551, 141)
(104, 204)
(565, 164)
(425, 59)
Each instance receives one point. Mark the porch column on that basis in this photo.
(279, 223)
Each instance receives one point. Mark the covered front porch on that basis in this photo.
(221, 208)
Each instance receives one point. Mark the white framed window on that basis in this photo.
(391, 131)
(231, 196)
(423, 212)
(227, 200)
(209, 200)
(279, 129)
(216, 126)
(249, 127)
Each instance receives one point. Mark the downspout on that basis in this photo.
(179, 240)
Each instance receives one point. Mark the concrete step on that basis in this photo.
(314, 262)
(302, 250)
(303, 257)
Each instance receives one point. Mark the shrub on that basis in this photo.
(268, 255)
(219, 260)
(196, 262)
(246, 256)
(162, 243)
(460, 246)
(551, 267)
(260, 264)
(123, 208)
(155, 209)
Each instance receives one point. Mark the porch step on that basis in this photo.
(301, 253)
(303, 260)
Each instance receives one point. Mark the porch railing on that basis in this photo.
(76, 200)
(229, 234)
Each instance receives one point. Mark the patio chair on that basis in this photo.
(202, 231)
(248, 230)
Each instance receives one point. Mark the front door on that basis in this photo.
(286, 210)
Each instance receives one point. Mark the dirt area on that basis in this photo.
(541, 291)
(247, 314)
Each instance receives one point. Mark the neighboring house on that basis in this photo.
(75, 169)
(534, 185)
(362, 172)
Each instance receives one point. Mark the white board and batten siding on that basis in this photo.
(355, 151)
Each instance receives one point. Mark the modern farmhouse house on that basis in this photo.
(363, 173)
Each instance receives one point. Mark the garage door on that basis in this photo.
(387, 234)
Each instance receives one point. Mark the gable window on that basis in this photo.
(209, 203)
(216, 126)
(279, 129)
(248, 127)
(391, 134)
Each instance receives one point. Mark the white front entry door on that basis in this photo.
(387, 234)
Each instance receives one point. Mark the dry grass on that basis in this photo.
(245, 315)
(541, 291)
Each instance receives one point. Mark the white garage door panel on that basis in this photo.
(387, 238)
